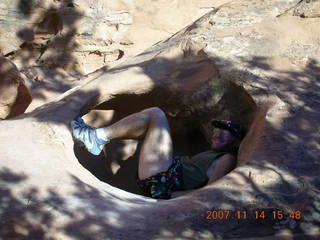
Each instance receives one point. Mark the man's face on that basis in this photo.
(220, 138)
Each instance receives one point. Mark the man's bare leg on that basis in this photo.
(156, 151)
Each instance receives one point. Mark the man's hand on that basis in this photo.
(223, 166)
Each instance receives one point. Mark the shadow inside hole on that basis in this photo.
(118, 166)
(102, 166)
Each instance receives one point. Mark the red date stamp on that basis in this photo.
(218, 214)
(252, 214)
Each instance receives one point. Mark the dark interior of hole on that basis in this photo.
(186, 132)
(185, 143)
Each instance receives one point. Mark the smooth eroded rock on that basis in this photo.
(262, 70)
(14, 95)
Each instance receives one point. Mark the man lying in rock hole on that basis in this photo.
(159, 172)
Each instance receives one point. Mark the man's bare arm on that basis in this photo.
(223, 166)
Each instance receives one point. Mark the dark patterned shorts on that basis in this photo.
(162, 184)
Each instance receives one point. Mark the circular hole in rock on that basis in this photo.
(118, 163)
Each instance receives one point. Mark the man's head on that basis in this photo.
(226, 135)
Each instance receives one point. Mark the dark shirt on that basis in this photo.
(195, 168)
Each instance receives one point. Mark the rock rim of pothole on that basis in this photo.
(48, 194)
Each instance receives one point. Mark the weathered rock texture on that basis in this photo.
(78, 36)
(161, 19)
(245, 61)
(56, 43)
(14, 95)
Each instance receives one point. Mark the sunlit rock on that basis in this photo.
(262, 71)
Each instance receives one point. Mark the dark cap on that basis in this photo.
(235, 128)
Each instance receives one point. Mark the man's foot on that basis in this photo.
(88, 136)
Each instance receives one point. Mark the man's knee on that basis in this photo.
(155, 112)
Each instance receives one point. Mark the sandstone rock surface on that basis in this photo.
(14, 95)
(56, 43)
(66, 34)
(246, 61)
